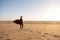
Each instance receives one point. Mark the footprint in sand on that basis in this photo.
(46, 33)
(43, 36)
(51, 35)
(47, 39)
(56, 36)
(1, 36)
(8, 39)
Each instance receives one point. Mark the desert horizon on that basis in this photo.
(35, 22)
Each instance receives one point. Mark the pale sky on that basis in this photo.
(34, 10)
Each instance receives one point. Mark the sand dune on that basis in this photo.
(11, 31)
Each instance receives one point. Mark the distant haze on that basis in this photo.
(31, 10)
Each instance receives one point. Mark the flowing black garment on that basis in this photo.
(17, 21)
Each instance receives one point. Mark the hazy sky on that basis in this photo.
(37, 10)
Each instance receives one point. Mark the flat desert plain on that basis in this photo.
(31, 31)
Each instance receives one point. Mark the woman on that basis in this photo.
(21, 22)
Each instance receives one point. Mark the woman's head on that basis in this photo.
(20, 16)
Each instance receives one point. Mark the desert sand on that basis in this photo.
(12, 31)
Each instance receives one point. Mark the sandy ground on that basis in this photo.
(12, 31)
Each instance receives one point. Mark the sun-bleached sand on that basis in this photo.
(12, 31)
